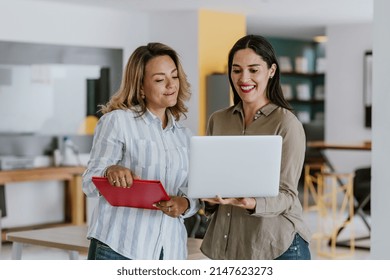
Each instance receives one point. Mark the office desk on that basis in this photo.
(70, 238)
(73, 239)
(75, 200)
(322, 145)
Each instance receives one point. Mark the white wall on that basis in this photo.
(45, 99)
(380, 190)
(344, 110)
(67, 24)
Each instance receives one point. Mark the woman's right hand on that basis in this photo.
(212, 201)
(120, 176)
(243, 202)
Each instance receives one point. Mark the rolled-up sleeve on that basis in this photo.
(194, 203)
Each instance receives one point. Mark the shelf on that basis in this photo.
(312, 101)
(304, 75)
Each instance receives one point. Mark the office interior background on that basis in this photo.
(202, 37)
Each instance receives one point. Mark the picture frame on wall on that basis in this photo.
(367, 88)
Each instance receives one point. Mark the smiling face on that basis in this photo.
(160, 84)
(250, 75)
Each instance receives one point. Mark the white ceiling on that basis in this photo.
(284, 18)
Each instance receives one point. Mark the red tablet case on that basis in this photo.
(142, 194)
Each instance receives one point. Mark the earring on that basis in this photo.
(271, 77)
(142, 94)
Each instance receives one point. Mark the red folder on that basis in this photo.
(142, 194)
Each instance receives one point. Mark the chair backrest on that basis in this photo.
(3, 211)
(314, 132)
(196, 225)
(362, 186)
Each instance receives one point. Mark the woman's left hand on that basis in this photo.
(174, 207)
(243, 202)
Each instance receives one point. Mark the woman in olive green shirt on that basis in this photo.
(260, 227)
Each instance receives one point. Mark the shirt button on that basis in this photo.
(228, 214)
(225, 236)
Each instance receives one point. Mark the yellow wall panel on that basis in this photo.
(217, 33)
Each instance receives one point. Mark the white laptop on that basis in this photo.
(234, 166)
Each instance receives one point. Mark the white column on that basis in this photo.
(380, 184)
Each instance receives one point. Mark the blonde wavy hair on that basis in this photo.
(129, 93)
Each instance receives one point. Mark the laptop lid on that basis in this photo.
(234, 166)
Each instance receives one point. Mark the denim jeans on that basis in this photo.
(100, 251)
(298, 250)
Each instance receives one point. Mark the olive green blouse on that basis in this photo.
(267, 232)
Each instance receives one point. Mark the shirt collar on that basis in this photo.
(265, 110)
(150, 118)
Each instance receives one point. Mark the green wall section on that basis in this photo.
(294, 48)
(310, 50)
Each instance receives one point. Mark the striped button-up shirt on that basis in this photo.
(151, 152)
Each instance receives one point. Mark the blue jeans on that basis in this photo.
(100, 251)
(298, 250)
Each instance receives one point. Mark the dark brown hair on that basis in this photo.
(264, 49)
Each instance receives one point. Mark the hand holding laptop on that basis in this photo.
(243, 202)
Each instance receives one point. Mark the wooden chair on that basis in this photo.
(334, 201)
(310, 184)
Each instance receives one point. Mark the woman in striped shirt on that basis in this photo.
(139, 136)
